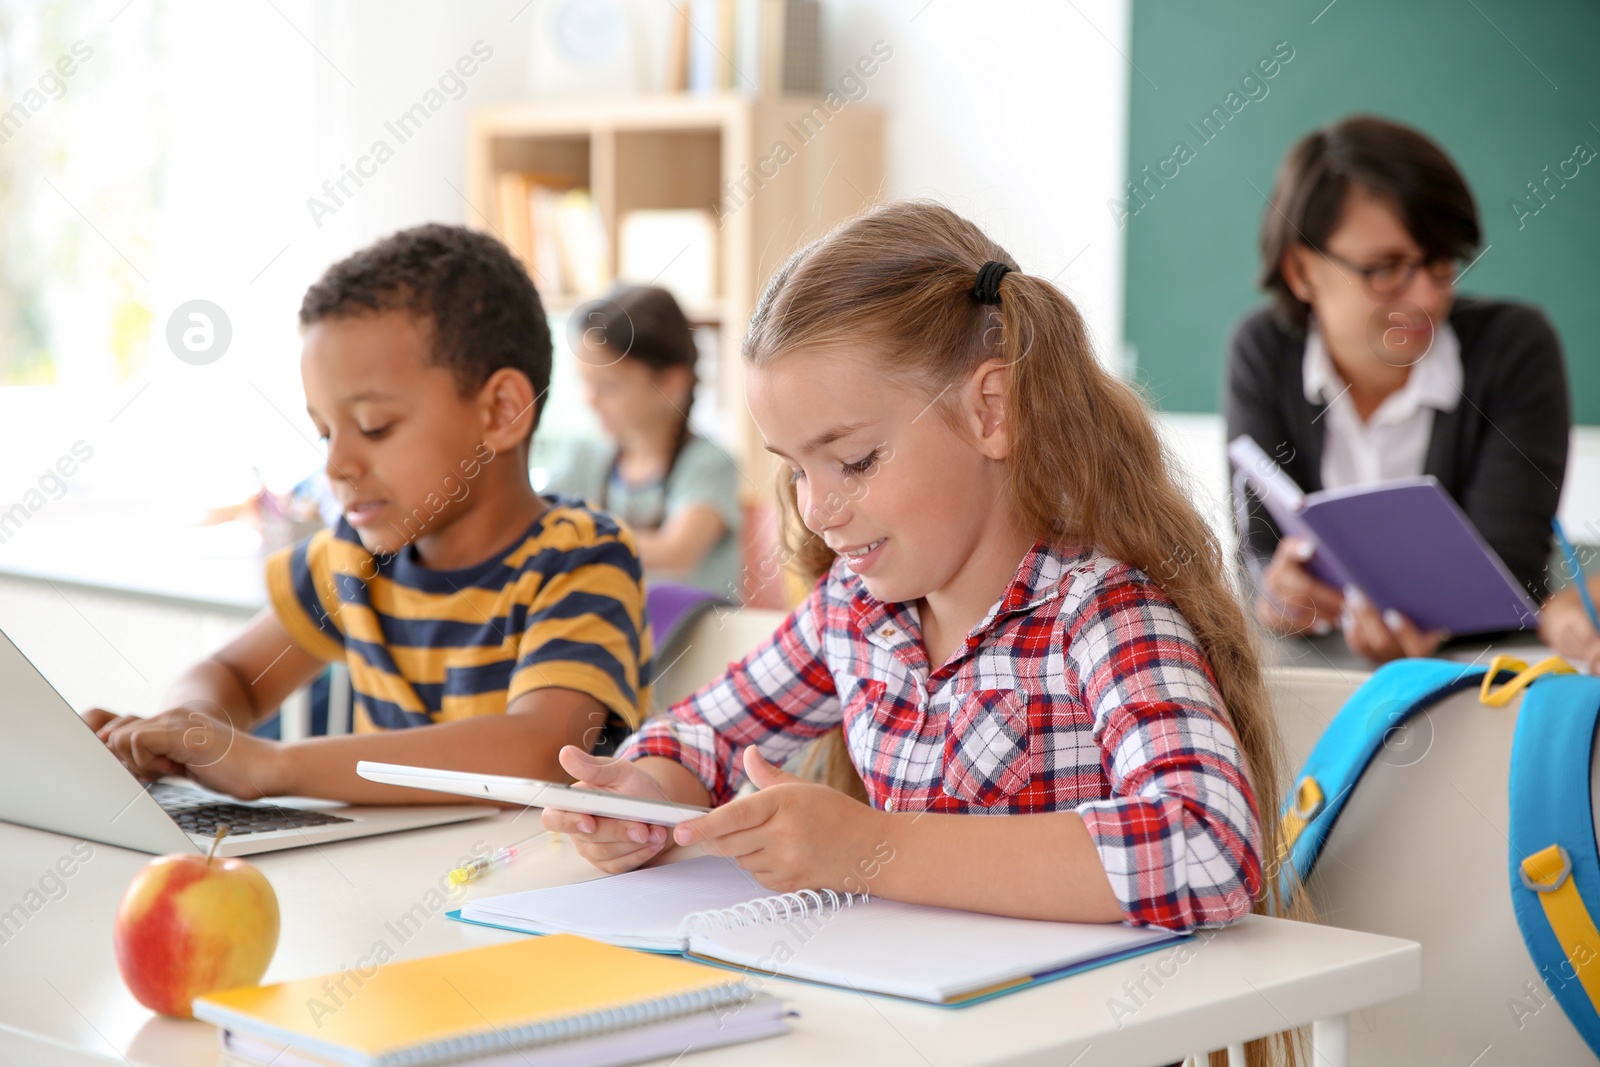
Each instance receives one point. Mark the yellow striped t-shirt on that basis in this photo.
(562, 607)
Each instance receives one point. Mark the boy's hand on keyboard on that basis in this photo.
(792, 834)
(108, 724)
(196, 743)
(613, 845)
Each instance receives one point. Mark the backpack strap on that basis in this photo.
(1555, 867)
(1395, 692)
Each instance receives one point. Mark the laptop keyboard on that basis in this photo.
(199, 814)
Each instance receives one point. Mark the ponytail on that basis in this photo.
(1117, 489)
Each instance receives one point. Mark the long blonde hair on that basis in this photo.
(1086, 467)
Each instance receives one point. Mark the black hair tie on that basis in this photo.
(987, 288)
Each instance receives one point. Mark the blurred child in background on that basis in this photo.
(678, 491)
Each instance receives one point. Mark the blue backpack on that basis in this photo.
(1553, 864)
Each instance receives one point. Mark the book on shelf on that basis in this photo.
(709, 909)
(554, 227)
(550, 1002)
(680, 28)
(758, 47)
(793, 60)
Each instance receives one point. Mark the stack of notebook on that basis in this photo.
(710, 909)
(546, 1002)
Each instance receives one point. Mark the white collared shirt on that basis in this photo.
(1393, 441)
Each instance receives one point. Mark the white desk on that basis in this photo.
(62, 1003)
(141, 550)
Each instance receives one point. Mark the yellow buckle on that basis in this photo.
(1307, 802)
(1499, 697)
(1307, 799)
(1546, 870)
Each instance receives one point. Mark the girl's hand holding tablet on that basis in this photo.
(792, 834)
(613, 845)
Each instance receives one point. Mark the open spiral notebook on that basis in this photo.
(711, 910)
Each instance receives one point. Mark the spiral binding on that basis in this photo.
(571, 1028)
(805, 904)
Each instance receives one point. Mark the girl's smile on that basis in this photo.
(860, 558)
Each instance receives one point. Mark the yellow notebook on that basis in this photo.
(441, 1009)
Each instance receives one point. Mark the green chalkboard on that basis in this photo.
(1506, 88)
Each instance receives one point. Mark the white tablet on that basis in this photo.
(531, 792)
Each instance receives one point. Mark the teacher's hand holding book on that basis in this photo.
(1296, 602)
(1384, 636)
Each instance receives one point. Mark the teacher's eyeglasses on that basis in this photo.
(1394, 275)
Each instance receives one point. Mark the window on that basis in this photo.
(150, 155)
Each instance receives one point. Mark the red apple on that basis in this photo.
(192, 924)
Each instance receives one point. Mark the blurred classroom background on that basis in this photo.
(158, 154)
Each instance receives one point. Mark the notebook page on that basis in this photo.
(639, 909)
(931, 954)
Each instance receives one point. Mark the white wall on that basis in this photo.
(1014, 114)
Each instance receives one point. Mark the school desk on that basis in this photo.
(62, 1003)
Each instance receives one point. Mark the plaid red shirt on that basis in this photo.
(1082, 690)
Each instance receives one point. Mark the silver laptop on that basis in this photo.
(58, 776)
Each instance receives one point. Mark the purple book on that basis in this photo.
(1405, 544)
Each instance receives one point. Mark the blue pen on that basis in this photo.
(1577, 573)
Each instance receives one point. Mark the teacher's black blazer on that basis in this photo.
(1502, 452)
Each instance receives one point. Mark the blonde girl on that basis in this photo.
(1023, 616)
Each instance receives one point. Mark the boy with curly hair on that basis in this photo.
(484, 625)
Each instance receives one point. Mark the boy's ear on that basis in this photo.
(506, 401)
(986, 408)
